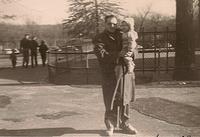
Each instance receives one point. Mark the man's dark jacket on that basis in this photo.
(33, 46)
(25, 44)
(107, 47)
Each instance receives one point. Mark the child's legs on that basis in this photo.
(14, 62)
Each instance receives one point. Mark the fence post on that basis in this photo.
(48, 58)
(159, 65)
(81, 45)
(142, 50)
(49, 75)
(167, 53)
(56, 63)
(87, 67)
(155, 50)
(66, 57)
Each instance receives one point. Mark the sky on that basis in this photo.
(54, 11)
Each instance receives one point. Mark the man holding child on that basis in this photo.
(118, 85)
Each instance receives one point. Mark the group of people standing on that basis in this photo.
(29, 47)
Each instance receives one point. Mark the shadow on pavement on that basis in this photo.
(4, 101)
(169, 111)
(48, 132)
(20, 75)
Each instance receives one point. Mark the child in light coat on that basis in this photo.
(129, 36)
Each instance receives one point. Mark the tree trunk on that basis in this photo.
(184, 51)
(198, 23)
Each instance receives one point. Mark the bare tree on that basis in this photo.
(143, 15)
(156, 18)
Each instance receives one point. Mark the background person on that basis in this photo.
(43, 49)
(24, 48)
(13, 58)
(34, 46)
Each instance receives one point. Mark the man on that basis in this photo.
(108, 45)
(24, 48)
(43, 49)
(34, 46)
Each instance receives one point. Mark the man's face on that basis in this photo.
(27, 36)
(111, 24)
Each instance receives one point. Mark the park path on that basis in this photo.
(68, 111)
(30, 106)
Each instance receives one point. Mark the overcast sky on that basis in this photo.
(53, 11)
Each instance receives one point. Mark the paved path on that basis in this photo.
(30, 106)
(46, 110)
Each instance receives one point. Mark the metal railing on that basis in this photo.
(155, 56)
(76, 66)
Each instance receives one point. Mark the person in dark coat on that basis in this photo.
(34, 46)
(13, 58)
(43, 49)
(117, 89)
(24, 48)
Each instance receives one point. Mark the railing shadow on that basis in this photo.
(20, 75)
(49, 132)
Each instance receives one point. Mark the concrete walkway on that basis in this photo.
(37, 108)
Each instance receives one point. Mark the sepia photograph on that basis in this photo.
(98, 68)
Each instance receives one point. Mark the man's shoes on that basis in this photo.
(109, 126)
(128, 129)
(109, 132)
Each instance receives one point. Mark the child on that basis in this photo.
(13, 58)
(128, 43)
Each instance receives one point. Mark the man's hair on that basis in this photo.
(33, 37)
(42, 41)
(109, 16)
(27, 34)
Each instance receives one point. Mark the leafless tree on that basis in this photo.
(143, 15)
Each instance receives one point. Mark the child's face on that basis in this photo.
(124, 27)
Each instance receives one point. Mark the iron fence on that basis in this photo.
(154, 60)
